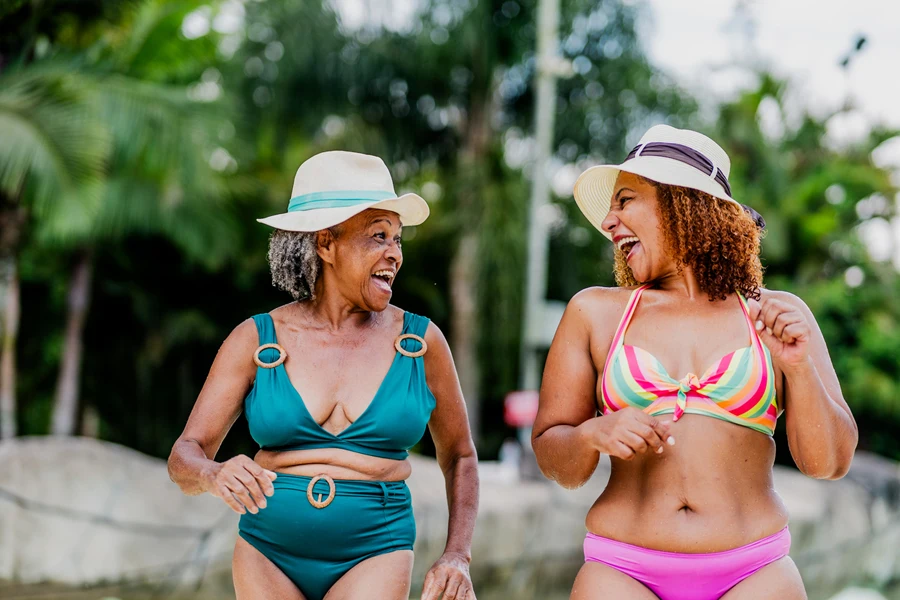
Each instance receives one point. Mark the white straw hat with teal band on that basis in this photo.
(331, 187)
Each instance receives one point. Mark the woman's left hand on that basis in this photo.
(449, 579)
(783, 328)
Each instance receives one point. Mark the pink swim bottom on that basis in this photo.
(673, 576)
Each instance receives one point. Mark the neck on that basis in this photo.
(684, 283)
(334, 311)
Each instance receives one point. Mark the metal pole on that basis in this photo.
(548, 69)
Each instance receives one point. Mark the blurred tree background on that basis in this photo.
(139, 141)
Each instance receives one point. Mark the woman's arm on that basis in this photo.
(568, 437)
(449, 426)
(821, 431)
(218, 406)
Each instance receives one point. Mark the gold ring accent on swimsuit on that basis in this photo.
(271, 365)
(309, 491)
(410, 336)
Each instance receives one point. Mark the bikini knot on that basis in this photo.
(689, 383)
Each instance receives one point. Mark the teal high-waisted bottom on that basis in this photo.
(313, 546)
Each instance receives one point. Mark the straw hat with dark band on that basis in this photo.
(666, 155)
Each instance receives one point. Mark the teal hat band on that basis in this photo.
(337, 199)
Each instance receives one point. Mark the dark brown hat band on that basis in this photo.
(693, 158)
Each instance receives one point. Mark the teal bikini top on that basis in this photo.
(394, 421)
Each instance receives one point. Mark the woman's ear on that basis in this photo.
(325, 242)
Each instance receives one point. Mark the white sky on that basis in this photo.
(700, 44)
(803, 40)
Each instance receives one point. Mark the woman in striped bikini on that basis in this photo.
(689, 362)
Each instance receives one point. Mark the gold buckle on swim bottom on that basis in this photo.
(309, 491)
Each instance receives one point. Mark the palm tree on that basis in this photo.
(158, 169)
(53, 158)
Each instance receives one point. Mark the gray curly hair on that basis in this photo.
(294, 263)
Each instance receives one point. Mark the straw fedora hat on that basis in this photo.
(331, 187)
(666, 155)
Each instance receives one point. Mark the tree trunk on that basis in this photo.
(463, 326)
(9, 292)
(65, 407)
(465, 320)
(12, 223)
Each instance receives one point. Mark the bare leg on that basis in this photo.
(257, 578)
(779, 580)
(597, 581)
(388, 573)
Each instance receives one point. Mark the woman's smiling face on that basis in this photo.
(634, 223)
(366, 256)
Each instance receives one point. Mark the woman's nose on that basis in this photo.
(394, 252)
(609, 223)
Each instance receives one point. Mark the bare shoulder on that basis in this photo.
(434, 336)
(599, 308)
(601, 299)
(244, 336)
(393, 317)
(235, 356)
(288, 314)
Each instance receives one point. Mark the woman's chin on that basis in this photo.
(377, 303)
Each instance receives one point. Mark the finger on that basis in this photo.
(225, 494)
(771, 342)
(243, 496)
(620, 450)
(772, 308)
(634, 441)
(783, 320)
(754, 308)
(437, 588)
(452, 587)
(470, 595)
(662, 430)
(799, 332)
(253, 488)
(650, 436)
(264, 477)
(462, 592)
(264, 480)
(428, 591)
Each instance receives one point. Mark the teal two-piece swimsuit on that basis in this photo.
(315, 529)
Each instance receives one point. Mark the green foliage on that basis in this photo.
(809, 195)
(181, 260)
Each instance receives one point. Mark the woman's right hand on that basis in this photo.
(626, 433)
(241, 483)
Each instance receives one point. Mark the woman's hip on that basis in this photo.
(332, 519)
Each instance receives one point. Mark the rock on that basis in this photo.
(79, 511)
(855, 593)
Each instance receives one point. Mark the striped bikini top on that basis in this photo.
(738, 388)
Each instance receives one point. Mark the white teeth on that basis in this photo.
(385, 273)
(626, 240)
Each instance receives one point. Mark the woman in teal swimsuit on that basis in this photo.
(336, 387)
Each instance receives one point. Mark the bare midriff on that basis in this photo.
(337, 463)
(712, 491)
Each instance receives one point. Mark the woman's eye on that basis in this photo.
(622, 201)
(381, 235)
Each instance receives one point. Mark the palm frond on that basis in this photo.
(52, 144)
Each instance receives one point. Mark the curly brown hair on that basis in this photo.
(714, 237)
